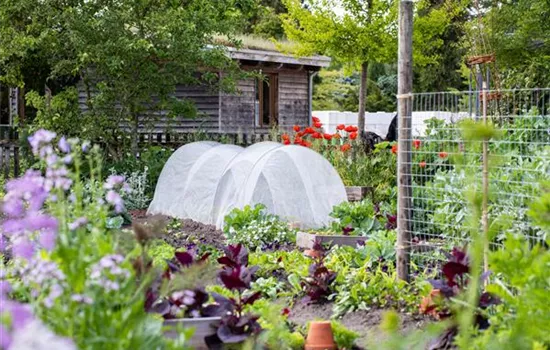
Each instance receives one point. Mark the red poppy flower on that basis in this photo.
(318, 125)
(443, 155)
(327, 136)
(353, 135)
(298, 141)
(417, 143)
(285, 137)
(315, 119)
(355, 129)
(422, 164)
(394, 149)
(336, 136)
(285, 312)
(306, 144)
(317, 135)
(286, 142)
(296, 128)
(346, 147)
(340, 127)
(350, 128)
(309, 131)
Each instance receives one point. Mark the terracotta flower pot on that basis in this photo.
(428, 305)
(320, 337)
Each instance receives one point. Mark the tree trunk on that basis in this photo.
(362, 98)
(135, 135)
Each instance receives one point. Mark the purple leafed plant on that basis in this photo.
(184, 303)
(456, 278)
(317, 285)
(236, 325)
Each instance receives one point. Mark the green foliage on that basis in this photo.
(335, 90)
(518, 32)
(518, 168)
(376, 169)
(159, 251)
(522, 321)
(269, 287)
(147, 167)
(277, 331)
(293, 262)
(343, 337)
(254, 228)
(126, 56)
(367, 279)
(361, 216)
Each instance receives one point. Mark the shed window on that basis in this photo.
(5, 118)
(266, 104)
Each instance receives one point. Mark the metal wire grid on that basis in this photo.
(443, 165)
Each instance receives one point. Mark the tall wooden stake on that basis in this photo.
(404, 110)
(485, 174)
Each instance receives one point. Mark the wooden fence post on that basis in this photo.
(404, 108)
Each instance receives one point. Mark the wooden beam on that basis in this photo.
(404, 109)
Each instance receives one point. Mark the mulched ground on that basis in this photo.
(365, 323)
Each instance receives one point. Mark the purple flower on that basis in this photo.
(78, 223)
(23, 248)
(47, 240)
(3, 242)
(13, 207)
(114, 182)
(81, 298)
(40, 139)
(63, 145)
(5, 338)
(5, 288)
(37, 222)
(85, 146)
(20, 314)
(114, 199)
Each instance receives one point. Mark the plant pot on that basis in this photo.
(320, 337)
(358, 193)
(204, 327)
(428, 306)
(308, 240)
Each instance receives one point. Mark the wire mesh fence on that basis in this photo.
(446, 167)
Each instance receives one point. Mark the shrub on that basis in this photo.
(136, 197)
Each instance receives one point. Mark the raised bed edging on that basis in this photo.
(308, 240)
(204, 327)
(358, 193)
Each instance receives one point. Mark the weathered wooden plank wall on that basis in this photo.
(206, 102)
(293, 98)
(237, 110)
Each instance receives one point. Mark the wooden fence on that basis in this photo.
(9, 159)
(178, 139)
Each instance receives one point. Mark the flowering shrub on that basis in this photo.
(136, 196)
(65, 261)
(257, 229)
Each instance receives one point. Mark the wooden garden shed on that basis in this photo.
(281, 99)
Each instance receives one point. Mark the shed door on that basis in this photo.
(267, 96)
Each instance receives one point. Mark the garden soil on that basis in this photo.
(365, 323)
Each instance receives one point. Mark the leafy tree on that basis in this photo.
(519, 33)
(439, 44)
(127, 56)
(364, 33)
(265, 20)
